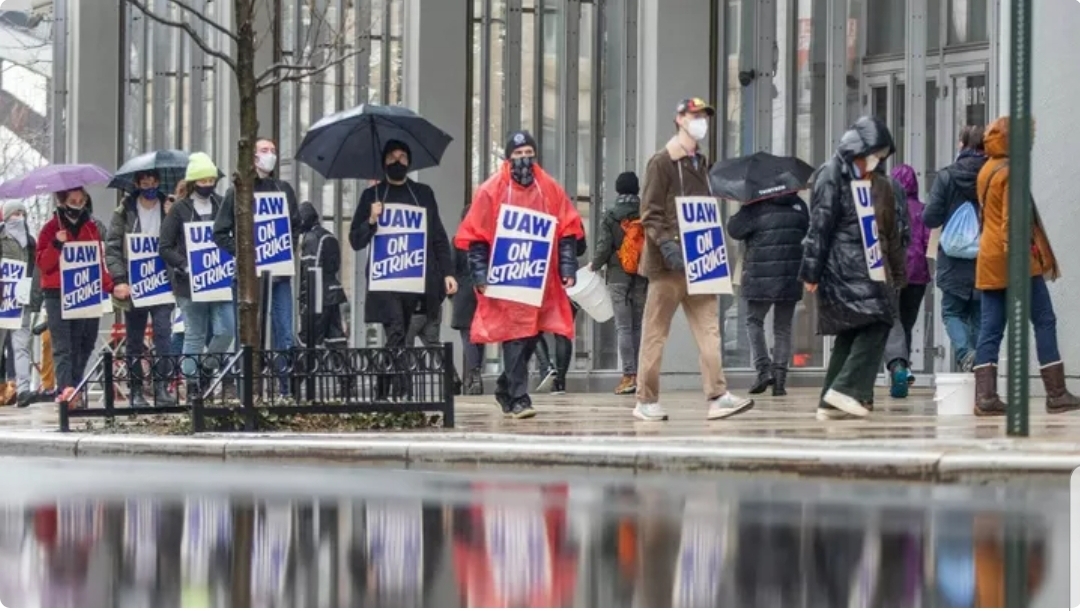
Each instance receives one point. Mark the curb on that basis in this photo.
(836, 459)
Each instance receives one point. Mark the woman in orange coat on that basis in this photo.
(992, 278)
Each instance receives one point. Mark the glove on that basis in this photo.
(479, 254)
(567, 257)
(673, 258)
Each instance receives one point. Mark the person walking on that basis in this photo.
(992, 279)
(677, 170)
(898, 346)
(620, 240)
(852, 306)
(961, 304)
(772, 231)
(461, 317)
(17, 244)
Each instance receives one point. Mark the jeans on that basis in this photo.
(564, 351)
(783, 318)
(427, 327)
(281, 315)
(898, 346)
(72, 344)
(219, 317)
(20, 347)
(962, 317)
(474, 353)
(628, 302)
(513, 383)
(176, 344)
(992, 329)
(853, 365)
(135, 321)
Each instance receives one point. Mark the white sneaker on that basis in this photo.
(846, 404)
(830, 414)
(650, 412)
(727, 406)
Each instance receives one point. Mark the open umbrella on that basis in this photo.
(170, 165)
(53, 178)
(349, 144)
(759, 176)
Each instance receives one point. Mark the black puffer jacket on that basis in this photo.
(833, 256)
(773, 231)
(952, 187)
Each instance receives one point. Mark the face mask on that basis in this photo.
(151, 193)
(397, 171)
(698, 129)
(16, 225)
(872, 162)
(73, 214)
(521, 170)
(204, 191)
(266, 162)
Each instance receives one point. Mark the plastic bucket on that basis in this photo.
(590, 293)
(954, 394)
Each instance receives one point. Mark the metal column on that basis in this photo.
(538, 77)
(59, 98)
(570, 47)
(630, 88)
(512, 68)
(764, 63)
(315, 86)
(161, 38)
(362, 66)
(485, 91)
(387, 60)
(197, 78)
(915, 88)
(836, 72)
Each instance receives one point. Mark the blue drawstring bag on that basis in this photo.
(960, 237)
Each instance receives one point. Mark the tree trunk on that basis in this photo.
(244, 181)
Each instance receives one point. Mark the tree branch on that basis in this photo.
(186, 27)
(187, 7)
(295, 72)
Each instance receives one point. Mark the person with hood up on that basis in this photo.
(520, 182)
(992, 279)
(16, 243)
(954, 186)
(898, 346)
(72, 340)
(852, 306)
(394, 310)
(319, 248)
(619, 242)
(464, 308)
(143, 212)
(773, 231)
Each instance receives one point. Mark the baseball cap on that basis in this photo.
(695, 105)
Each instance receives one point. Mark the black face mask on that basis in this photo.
(521, 170)
(73, 214)
(397, 171)
(204, 191)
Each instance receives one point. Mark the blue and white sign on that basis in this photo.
(398, 259)
(210, 269)
(864, 207)
(395, 546)
(11, 273)
(516, 538)
(273, 235)
(521, 255)
(147, 275)
(708, 271)
(81, 287)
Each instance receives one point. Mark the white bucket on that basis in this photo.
(590, 293)
(955, 393)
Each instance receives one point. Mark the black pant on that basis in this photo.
(328, 328)
(853, 365)
(564, 350)
(898, 347)
(513, 383)
(72, 344)
(135, 321)
(397, 315)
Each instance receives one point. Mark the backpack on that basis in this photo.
(633, 243)
(960, 236)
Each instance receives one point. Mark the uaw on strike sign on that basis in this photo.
(399, 250)
(864, 206)
(81, 286)
(273, 235)
(520, 255)
(704, 250)
(210, 269)
(11, 272)
(147, 276)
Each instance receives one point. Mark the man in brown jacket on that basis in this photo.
(678, 170)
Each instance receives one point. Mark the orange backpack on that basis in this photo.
(633, 243)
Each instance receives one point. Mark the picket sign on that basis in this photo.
(397, 259)
(273, 235)
(864, 207)
(81, 284)
(147, 275)
(520, 255)
(12, 272)
(211, 270)
(701, 232)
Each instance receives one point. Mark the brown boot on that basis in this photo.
(627, 386)
(1058, 398)
(987, 401)
(7, 394)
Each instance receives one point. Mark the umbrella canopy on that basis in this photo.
(349, 144)
(52, 178)
(170, 166)
(759, 176)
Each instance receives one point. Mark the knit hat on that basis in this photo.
(519, 139)
(13, 206)
(627, 184)
(396, 145)
(199, 167)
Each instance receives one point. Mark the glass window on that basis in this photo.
(970, 101)
(811, 141)
(782, 80)
(553, 81)
(931, 135)
(493, 149)
(968, 22)
(933, 25)
(887, 26)
(479, 147)
(898, 122)
(529, 52)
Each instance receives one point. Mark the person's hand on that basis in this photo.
(62, 236)
(811, 287)
(121, 291)
(671, 251)
(376, 210)
(451, 285)
(169, 201)
(568, 282)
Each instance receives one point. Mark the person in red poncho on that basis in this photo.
(522, 183)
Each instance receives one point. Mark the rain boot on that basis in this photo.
(987, 401)
(1058, 398)
(764, 380)
(137, 398)
(779, 388)
(162, 396)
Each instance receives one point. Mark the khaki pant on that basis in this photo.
(48, 374)
(666, 292)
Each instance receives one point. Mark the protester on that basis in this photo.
(772, 230)
(898, 346)
(142, 211)
(992, 279)
(320, 249)
(852, 306)
(47, 370)
(17, 244)
(678, 170)
(464, 308)
(72, 340)
(393, 309)
(953, 187)
(521, 183)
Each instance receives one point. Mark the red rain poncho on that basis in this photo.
(498, 320)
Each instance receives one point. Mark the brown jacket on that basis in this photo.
(992, 266)
(659, 216)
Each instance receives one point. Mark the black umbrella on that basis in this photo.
(170, 166)
(349, 144)
(759, 176)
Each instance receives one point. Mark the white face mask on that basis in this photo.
(698, 129)
(872, 162)
(265, 161)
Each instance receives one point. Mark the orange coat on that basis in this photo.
(992, 266)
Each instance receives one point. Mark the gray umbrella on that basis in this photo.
(170, 166)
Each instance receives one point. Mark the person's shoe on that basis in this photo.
(559, 386)
(137, 399)
(830, 413)
(475, 386)
(162, 396)
(502, 399)
(24, 399)
(1058, 398)
(522, 409)
(547, 380)
(763, 382)
(846, 404)
(987, 401)
(459, 386)
(7, 394)
(898, 377)
(728, 405)
(779, 388)
(650, 412)
(968, 362)
(44, 395)
(627, 386)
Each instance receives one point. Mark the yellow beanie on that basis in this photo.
(200, 166)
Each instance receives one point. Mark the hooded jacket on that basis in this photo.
(125, 220)
(954, 186)
(609, 237)
(773, 231)
(319, 248)
(918, 268)
(671, 173)
(992, 265)
(833, 255)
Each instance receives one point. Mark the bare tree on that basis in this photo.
(324, 48)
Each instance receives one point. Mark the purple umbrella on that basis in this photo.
(53, 178)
